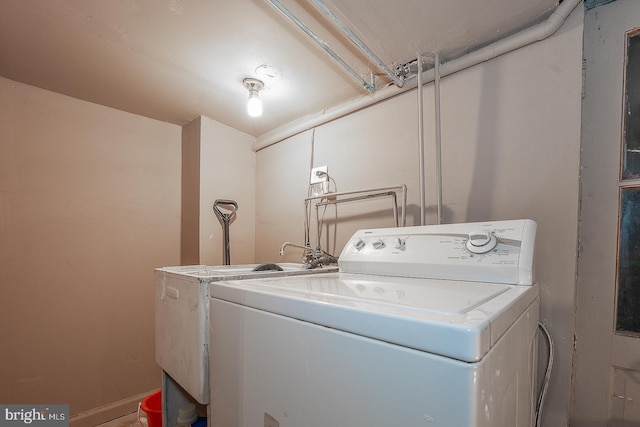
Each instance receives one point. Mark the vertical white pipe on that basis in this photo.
(421, 143)
(438, 136)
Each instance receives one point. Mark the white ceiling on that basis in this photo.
(173, 60)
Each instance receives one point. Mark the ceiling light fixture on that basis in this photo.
(254, 105)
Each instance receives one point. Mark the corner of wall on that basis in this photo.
(189, 223)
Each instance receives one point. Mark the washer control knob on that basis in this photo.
(481, 242)
(359, 244)
(399, 243)
(378, 244)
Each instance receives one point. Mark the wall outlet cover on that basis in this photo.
(324, 175)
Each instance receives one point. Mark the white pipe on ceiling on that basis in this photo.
(359, 43)
(369, 86)
(531, 35)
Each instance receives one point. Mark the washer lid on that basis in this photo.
(456, 319)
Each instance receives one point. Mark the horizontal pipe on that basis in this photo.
(379, 192)
(322, 44)
(531, 35)
(359, 43)
(344, 193)
(354, 198)
(365, 197)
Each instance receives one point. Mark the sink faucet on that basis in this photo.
(311, 258)
(308, 248)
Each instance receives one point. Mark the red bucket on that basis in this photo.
(152, 405)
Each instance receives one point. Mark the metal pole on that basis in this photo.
(359, 43)
(438, 137)
(227, 248)
(421, 143)
(370, 87)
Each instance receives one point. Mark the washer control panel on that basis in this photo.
(481, 242)
(499, 251)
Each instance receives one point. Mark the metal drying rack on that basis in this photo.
(351, 196)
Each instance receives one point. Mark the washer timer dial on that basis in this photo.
(481, 242)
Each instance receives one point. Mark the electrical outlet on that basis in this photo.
(319, 181)
(319, 175)
(269, 421)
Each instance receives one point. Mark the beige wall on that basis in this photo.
(89, 205)
(511, 149)
(190, 213)
(227, 171)
(217, 163)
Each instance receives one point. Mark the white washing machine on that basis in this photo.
(182, 323)
(422, 326)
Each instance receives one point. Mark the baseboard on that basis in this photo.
(108, 412)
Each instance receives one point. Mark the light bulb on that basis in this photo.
(254, 105)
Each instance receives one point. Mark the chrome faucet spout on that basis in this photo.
(294, 245)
